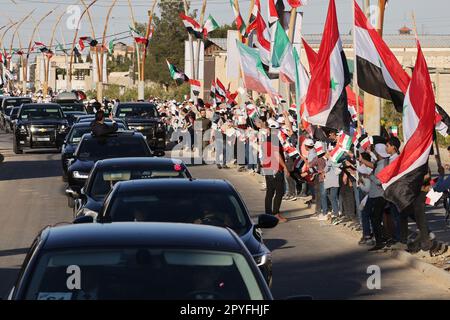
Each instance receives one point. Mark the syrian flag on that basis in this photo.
(210, 25)
(311, 55)
(297, 3)
(262, 38)
(240, 24)
(352, 107)
(254, 75)
(175, 74)
(379, 72)
(282, 55)
(402, 179)
(221, 92)
(192, 26)
(195, 86)
(326, 100)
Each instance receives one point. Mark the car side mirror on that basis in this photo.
(83, 219)
(72, 193)
(267, 221)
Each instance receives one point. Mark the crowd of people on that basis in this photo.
(299, 163)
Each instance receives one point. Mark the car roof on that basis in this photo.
(43, 105)
(155, 234)
(16, 98)
(136, 103)
(137, 161)
(87, 124)
(174, 185)
(126, 133)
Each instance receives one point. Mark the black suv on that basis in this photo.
(93, 148)
(143, 117)
(8, 103)
(39, 125)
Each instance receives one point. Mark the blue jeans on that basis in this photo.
(365, 217)
(333, 195)
(323, 198)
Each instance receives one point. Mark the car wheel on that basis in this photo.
(16, 148)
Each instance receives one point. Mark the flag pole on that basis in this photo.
(292, 20)
(47, 61)
(136, 45)
(191, 45)
(141, 87)
(202, 18)
(355, 90)
(105, 28)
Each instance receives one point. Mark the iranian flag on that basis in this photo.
(210, 25)
(252, 112)
(345, 141)
(255, 77)
(402, 179)
(192, 26)
(195, 86)
(175, 74)
(297, 3)
(282, 55)
(326, 100)
(337, 154)
(365, 143)
(240, 24)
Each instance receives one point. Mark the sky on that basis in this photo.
(431, 16)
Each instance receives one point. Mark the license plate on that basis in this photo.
(42, 138)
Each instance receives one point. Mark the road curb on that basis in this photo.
(429, 270)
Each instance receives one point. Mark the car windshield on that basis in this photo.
(15, 111)
(143, 273)
(134, 111)
(186, 206)
(76, 107)
(10, 103)
(105, 180)
(113, 147)
(42, 112)
(77, 133)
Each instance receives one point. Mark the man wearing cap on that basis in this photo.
(273, 168)
(376, 202)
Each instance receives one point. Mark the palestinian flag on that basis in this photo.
(240, 24)
(261, 40)
(254, 75)
(192, 26)
(282, 55)
(210, 25)
(297, 3)
(273, 14)
(337, 154)
(326, 100)
(402, 179)
(195, 86)
(175, 74)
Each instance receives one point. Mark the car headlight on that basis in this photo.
(62, 128)
(80, 175)
(261, 259)
(23, 129)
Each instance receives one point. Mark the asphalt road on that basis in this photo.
(309, 257)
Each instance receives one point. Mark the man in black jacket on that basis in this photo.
(99, 127)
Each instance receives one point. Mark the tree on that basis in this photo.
(167, 42)
(222, 31)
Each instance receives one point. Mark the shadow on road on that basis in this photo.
(13, 252)
(16, 170)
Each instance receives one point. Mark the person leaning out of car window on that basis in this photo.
(99, 127)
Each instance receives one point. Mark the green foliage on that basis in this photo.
(392, 118)
(120, 64)
(222, 31)
(131, 94)
(167, 42)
